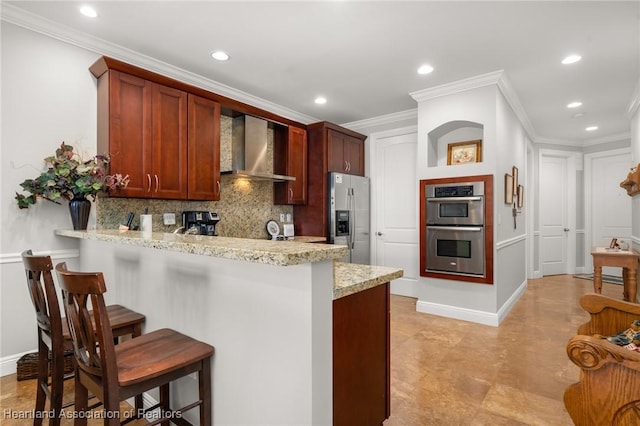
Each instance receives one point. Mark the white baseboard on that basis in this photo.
(472, 315)
(9, 364)
(509, 304)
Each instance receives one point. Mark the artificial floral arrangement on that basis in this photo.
(69, 177)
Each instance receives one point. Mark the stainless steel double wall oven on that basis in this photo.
(455, 228)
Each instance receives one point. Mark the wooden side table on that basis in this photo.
(626, 259)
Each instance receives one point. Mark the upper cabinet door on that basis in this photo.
(204, 149)
(354, 155)
(124, 130)
(169, 151)
(290, 159)
(297, 159)
(345, 153)
(335, 152)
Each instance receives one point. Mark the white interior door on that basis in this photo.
(610, 206)
(554, 217)
(396, 209)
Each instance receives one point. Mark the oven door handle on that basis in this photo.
(456, 228)
(452, 199)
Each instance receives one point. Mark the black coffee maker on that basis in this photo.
(200, 222)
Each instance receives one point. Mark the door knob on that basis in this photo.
(566, 229)
(379, 234)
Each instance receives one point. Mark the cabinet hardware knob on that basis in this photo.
(290, 194)
(218, 183)
(149, 178)
(156, 183)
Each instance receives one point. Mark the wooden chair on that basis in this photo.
(114, 373)
(53, 333)
(608, 392)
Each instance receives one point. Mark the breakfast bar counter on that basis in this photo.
(268, 307)
(348, 278)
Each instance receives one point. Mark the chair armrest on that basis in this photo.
(591, 353)
(608, 316)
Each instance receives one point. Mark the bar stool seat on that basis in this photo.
(114, 373)
(54, 336)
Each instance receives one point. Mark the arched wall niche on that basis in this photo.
(451, 132)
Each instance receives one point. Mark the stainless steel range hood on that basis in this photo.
(249, 150)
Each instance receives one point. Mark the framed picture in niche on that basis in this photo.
(464, 152)
(508, 189)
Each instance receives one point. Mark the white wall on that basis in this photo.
(510, 240)
(504, 145)
(48, 96)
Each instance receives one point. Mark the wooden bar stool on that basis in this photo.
(114, 373)
(54, 336)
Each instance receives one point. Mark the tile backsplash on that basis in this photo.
(244, 207)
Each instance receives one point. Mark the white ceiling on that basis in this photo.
(362, 56)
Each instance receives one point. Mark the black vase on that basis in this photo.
(80, 209)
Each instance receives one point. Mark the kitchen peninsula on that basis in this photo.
(272, 309)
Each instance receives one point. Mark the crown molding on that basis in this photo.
(30, 21)
(457, 86)
(411, 114)
(497, 78)
(607, 139)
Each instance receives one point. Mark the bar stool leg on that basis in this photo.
(204, 388)
(81, 401)
(57, 386)
(165, 400)
(43, 378)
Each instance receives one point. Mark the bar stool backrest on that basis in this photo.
(93, 347)
(43, 295)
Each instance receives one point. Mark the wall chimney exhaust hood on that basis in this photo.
(249, 150)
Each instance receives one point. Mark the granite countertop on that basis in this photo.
(350, 278)
(280, 253)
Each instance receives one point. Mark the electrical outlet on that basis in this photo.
(281, 217)
(169, 218)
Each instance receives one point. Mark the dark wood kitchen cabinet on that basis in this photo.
(143, 127)
(361, 358)
(346, 153)
(290, 159)
(203, 149)
(327, 143)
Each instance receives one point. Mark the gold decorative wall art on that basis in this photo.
(464, 152)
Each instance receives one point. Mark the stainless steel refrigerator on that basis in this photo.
(349, 215)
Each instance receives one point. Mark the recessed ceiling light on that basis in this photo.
(578, 115)
(320, 100)
(425, 69)
(88, 11)
(591, 128)
(571, 59)
(219, 55)
(574, 104)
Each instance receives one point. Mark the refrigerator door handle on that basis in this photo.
(353, 212)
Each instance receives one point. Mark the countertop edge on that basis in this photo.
(350, 278)
(268, 252)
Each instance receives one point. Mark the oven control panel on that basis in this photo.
(453, 191)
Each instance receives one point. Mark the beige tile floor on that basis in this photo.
(450, 372)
